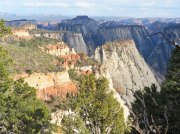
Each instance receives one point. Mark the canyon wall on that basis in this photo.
(160, 56)
(134, 32)
(126, 67)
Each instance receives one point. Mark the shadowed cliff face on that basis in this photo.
(84, 25)
(159, 57)
(76, 41)
(126, 67)
(95, 35)
(136, 33)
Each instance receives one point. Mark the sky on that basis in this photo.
(126, 8)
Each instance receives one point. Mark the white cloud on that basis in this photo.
(82, 4)
(94, 7)
(46, 4)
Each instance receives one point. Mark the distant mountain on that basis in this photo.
(37, 17)
(147, 22)
(84, 25)
(96, 34)
(19, 23)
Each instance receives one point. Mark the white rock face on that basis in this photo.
(41, 81)
(126, 67)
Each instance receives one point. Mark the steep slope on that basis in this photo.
(134, 32)
(159, 57)
(126, 67)
(76, 41)
(30, 60)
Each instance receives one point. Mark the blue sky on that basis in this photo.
(131, 8)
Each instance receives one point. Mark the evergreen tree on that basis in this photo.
(159, 112)
(148, 114)
(3, 29)
(20, 111)
(171, 93)
(96, 110)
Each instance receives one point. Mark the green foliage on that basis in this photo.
(96, 110)
(73, 74)
(159, 111)
(3, 29)
(5, 61)
(148, 112)
(171, 93)
(36, 42)
(85, 61)
(30, 60)
(20, 111)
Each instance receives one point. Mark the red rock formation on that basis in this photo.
(57, 90)
(70, 60)
(62, 51)
(50, 84)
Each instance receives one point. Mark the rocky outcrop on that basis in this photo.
(58, 49)
(73, 40)
(67, 56)
(126, 67)
(23, 32)
(79, 23)
(50, 84)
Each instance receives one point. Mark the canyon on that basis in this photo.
(85, 35)
(121, 53)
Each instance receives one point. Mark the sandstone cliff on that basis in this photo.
(126, 67)
(49, 84)
(73, 40)
(23, 32)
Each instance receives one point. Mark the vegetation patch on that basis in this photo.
(31, 60)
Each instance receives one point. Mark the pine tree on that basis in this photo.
(20, 111)
(171, 93)
(158, 112)
(96, 110)
(3, 29)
